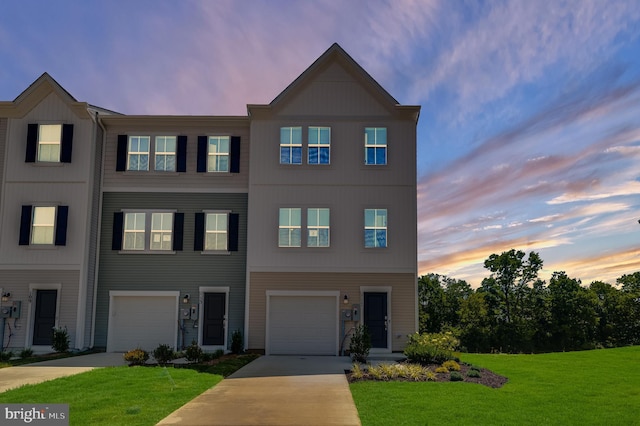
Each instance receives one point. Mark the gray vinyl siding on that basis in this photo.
(17, 282)
(3, 146)
(184, 271)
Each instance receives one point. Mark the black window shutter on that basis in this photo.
(116, 240)
(198, 236)
(181, 154)
(202, 154)
(235, 154)
(67, 143)
(61, 226)
(232, 232)
(178, 231)
(32, 143)
(121, 156)
(25, 226)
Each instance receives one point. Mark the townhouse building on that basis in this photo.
(290, 225)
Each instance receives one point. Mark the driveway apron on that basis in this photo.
(276, 390)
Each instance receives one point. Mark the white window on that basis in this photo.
(165, 153)
(138, 153)
(375, 227)
(319, 150)
(289, 230)
(291, 145)
(218, 158)
(43, 225)
(49, 139)
(375, 145)
(148, 231)
(317, 227)
(216, 231)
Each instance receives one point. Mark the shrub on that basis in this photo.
(136, 356)
(163, 354)
(442, 369)
(473, 373)
(360, 344)
(194, 353)
(237, 342)
(376, 373)
(456, 377)
(431, 348)
(451, 365)
(218, 353)
(60, 339)
(26, 353)
(6, 356)
(356, 371)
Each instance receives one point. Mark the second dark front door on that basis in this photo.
(45, 317)
(213, 319)
(375, 318)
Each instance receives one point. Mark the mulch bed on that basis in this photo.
(487, 377)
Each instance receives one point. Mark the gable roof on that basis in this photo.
(35, 93)
(335, 53)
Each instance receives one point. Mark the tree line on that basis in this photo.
(515, 311)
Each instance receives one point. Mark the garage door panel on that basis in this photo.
(302, 325)
(142, 321)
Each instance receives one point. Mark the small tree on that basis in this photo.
(60, 341)
(237, 342)
(360, 344)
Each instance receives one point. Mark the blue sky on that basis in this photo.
(529, 135)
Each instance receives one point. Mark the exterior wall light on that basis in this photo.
(185, 298)
(5, 297)
(346, 300)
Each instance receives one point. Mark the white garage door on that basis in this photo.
(303, 325)
(141, 322)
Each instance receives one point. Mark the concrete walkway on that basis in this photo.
(276, 390)
(13, 377)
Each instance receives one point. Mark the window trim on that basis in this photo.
(318, 227)
(318, 145)
(290, 145)
(165, 154)
(122, 154)
(291, 228)
(376, 228)
(138, 153)
(66, 143)
(59, 228)
(233, 220)
(118, 237)
(216, 155)
(376, 146)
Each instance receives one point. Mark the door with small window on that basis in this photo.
(45, 317)
(376, 318)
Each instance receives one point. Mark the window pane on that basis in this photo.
(312, 217)
(381, 136)
(296, 155)
(313, 155)
(381, 238)
(381, 218)
(369, 238)
(43, 225)
(285, 155)
(323, 215)
(381, 156)
(369, 217)
(370, 155)
(323, 238)
(50, 133)
(296, 217)
(324, 156)
(216, 231)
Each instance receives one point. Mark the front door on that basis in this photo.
(45, 317)
(213, 317)
(375, 318)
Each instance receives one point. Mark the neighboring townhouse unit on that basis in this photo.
(173, 237)
(50, 156)
(332, 214)
(290, 225)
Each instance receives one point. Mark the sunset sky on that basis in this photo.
(529, 134)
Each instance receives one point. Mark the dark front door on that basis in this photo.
(213, 319)
(45, 317)
(375, 318)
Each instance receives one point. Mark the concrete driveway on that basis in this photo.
(276, 390)
(13, 377)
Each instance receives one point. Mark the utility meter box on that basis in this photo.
(193, 312)
(5, 311)
(16, 309)
(346, 315)
(355, 312)
(185, 313)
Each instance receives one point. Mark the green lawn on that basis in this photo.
(600, 387)
(125, 395)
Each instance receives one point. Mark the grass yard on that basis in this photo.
(599, 387)
(125, 395)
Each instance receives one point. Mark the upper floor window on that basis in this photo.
(319, 145)
(375, 228)
(375, 145)
(289, 229)
(138, 153)
(218, 154)
(216, 232)
(145, 231)
(317, 227)
(291, 145)
(135, 152)
(49, 143)
(166, 153)
(43, 225)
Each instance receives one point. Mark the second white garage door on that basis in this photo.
(302, 325)
(138, 320)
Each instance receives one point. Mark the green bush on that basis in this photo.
(218, 353)
(6, 356)
(431, 348)
(163, 354)
(237, 342)
(456, 377)
(60, 339)
(136, 356)
(26, 353)
(194, 353)
(473, 373)
(360, 344)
